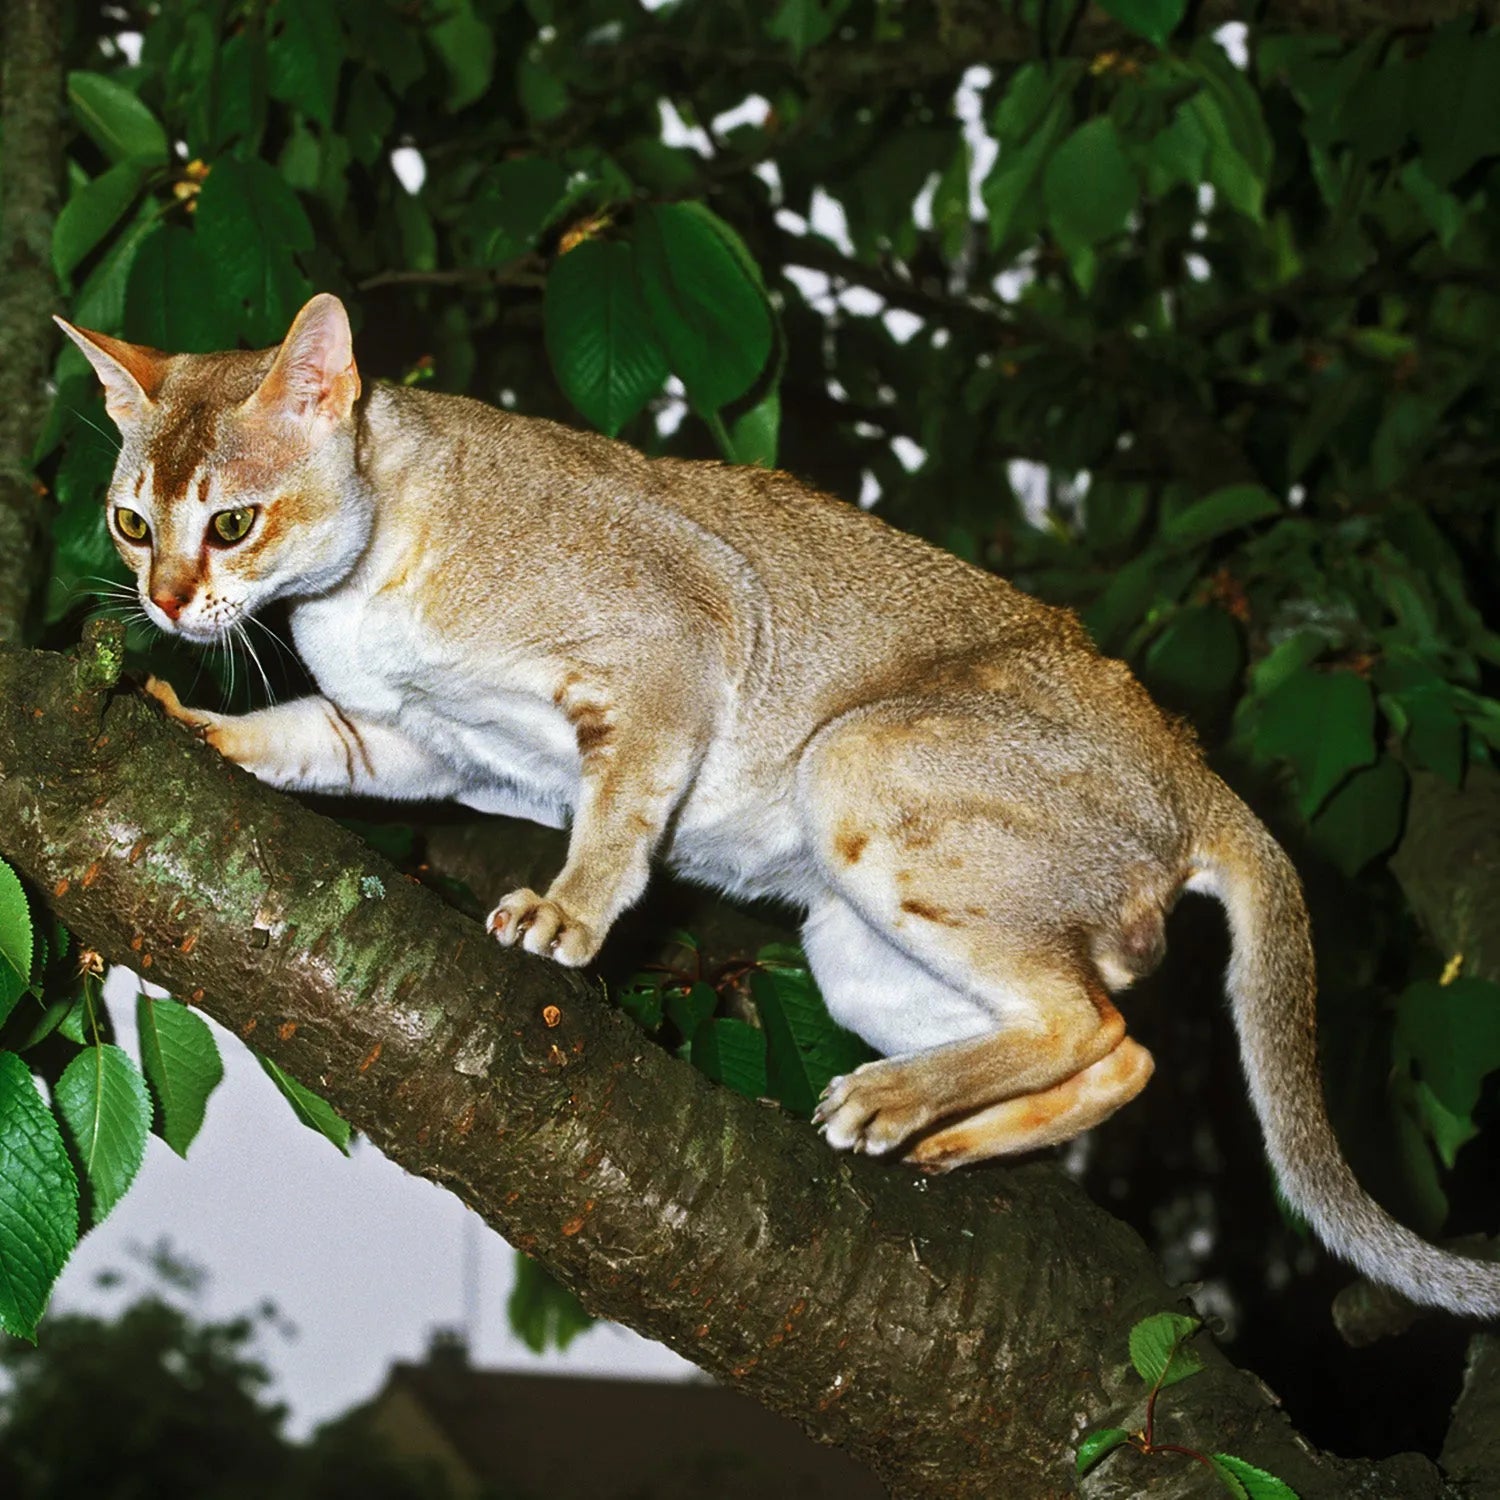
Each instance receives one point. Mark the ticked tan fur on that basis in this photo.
(984, 820)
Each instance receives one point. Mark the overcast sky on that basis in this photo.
(363, 1259)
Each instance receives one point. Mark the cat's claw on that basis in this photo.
(543, 927)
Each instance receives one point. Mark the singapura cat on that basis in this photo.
(984, 819)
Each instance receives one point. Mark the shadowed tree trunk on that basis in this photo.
(30, 168)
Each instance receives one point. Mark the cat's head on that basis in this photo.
(236, 481)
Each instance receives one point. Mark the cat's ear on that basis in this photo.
(131, 373)
(313, 383)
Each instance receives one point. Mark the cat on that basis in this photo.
(984, 819)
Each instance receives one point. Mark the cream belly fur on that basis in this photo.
(984, 820)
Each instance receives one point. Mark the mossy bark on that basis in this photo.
(958, 1334)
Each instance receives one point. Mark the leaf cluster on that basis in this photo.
(66, 1161)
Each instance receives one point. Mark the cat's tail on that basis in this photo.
(1272, 986)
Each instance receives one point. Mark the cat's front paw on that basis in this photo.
(215, 728)
(166, 695)
(544, 927)
(225, 732)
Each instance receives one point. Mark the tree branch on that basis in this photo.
(30, 170)
(955, 1334)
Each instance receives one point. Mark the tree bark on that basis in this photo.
(30, 172)
(958, 1335)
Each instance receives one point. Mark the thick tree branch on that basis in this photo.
(984, 33)
(30, 170)
(955, 1334)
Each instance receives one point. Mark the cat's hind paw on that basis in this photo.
(543, 927)
(872, 1110)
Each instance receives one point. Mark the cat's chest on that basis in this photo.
(490, 712)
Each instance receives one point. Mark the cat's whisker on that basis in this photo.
(281, 646)
(244, 638)
(113, 439)
(225, 644)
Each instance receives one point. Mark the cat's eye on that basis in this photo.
(131, 524)
(229, 526)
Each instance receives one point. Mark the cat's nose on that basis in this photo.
(169, 604)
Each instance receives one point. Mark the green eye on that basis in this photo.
(232, 525)
(132, 525)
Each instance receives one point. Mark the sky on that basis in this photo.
(362, 1260)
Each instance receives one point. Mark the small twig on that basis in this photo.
(525, 270)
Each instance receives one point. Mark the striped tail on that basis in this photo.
(1272, 986)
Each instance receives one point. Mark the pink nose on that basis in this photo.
(169, 604)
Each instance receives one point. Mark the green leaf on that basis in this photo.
(1364, 817)
(16, 945)
(250, 224)
(543, 1312)
(1453, 103)
(369, 117)
(1159, 1349)
(1247, 1482)
(1228, 111)
(305, 58)
(82, 553)
(171, 297)
(1176, 153)
(805, 1048)
(733, 1053)
(93, 211)
(38, 1200)
(1143, 584)
(1448, 1130)
(1090, 185)
(102, 1099)
(1096, 1445)
(1196, 660)
(182, 1065)
(707, 312)
(314, 1112)
(101, 299)
(1324, 724)
(1444, 213)
(512, 203)
(802, 24)
(64, 1014)
(116, 119)
(1434, 738)
(689, 1008)
(240, 103)
(1155, 20)
(753, 434)
(1452, 1033)
(1225, 510)
(599, 334)
(1009, 189)
(466, 44)
(640, 997)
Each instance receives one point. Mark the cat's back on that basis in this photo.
(483, 464)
